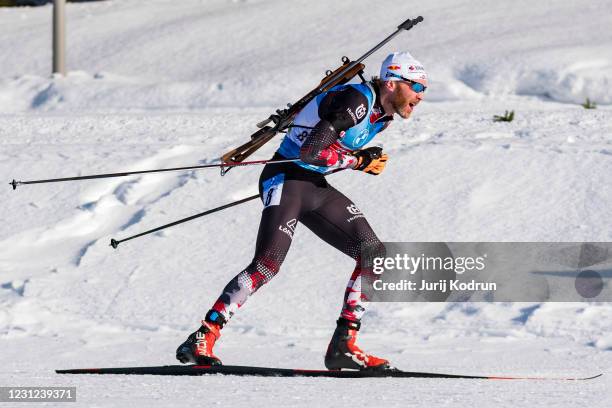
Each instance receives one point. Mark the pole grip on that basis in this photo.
(408, 24)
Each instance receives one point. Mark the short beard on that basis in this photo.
(400, 102)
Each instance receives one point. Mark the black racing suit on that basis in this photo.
(306, 197)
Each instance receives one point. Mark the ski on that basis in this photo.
(291, 372)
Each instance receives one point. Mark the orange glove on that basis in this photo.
(371, 160)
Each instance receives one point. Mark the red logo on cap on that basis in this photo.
(394, 67)
(412, 68)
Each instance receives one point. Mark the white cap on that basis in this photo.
(403, 64)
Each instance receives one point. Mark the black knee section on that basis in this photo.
(348, 324)
(371, 249)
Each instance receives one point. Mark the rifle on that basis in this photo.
(283, 118)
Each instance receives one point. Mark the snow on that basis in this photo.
(178, 83)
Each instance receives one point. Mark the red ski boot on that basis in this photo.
(199, 345)
(342, 351)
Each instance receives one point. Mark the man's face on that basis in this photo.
(404, 99)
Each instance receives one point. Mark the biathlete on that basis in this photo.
(328, 134)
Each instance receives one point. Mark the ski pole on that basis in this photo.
(15, 183)
(115, 243)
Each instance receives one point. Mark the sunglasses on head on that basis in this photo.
(415, 86)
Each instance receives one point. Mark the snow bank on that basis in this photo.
(203, 55)
(558, 78)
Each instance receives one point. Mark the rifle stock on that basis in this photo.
(243, 151)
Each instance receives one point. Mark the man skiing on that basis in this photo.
(328, 134)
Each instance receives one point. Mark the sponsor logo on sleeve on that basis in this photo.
(360, 111)
(353, 209)
(350, 112)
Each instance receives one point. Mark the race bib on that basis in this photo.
(272, 190)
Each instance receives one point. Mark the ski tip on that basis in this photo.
(546, 378)
(590, 378)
